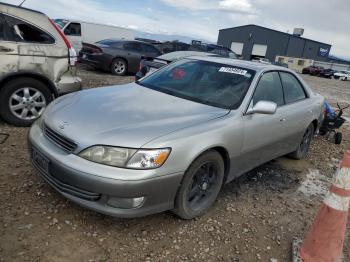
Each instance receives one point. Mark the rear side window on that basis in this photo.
(73, 29)
(293, 90)
(135, 47)
(270, 89)
(25, 32)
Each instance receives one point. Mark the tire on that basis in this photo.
(119, 67)
(304, 145)
(23, 100)
(204, 179)
(338, 137)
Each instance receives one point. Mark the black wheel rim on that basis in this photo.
(305, 143)
(203, 186)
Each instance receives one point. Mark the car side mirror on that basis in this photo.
(263, 107)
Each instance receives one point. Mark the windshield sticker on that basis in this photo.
(233, 70)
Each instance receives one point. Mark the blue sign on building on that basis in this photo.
(323, 51)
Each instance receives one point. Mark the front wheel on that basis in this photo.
(200, 186)
(304, 145)
(23, 100)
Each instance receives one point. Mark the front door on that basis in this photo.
(263, 133)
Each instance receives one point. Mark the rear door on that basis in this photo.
(8, 49)
(297, 113)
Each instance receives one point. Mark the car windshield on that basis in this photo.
(205, 82)
(60, 23)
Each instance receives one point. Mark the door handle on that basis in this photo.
(5, 49)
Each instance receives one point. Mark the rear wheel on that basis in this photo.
(200, 186)
(338, 137)
(304, 145)
(119, 67)
(23, 100)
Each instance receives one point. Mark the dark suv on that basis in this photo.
(117, 56)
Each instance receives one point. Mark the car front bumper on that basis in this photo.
(100, 193)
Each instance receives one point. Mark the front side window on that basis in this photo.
(270, 89)
(150, 49)
(134, 47)
(25, 32)
(73, 29)
(293, 90)
(204, 82)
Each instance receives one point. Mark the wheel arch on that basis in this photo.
(223, 153)
(315, 124)
(9, 77)
(120, 57)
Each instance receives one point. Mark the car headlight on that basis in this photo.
(126, 157)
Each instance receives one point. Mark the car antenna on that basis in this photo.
(22, 3)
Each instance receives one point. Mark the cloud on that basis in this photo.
(240, 6)
(325, 21)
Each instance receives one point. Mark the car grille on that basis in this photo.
(68, 189)
(61, 141)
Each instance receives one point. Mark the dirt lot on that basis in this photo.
(254, 219)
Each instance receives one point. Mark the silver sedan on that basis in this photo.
(172, 139)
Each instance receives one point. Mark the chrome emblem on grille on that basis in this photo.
(63, 125)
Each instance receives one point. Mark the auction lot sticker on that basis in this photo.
(233, 70)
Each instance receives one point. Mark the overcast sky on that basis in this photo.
(326, 21)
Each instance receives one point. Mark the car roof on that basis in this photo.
(256, 66)
(20, 7)
(182, 54)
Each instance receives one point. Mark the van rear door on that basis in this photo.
(8, 50)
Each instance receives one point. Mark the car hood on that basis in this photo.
(127, 115)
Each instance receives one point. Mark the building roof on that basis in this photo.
(266, 28)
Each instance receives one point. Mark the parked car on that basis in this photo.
(149, 65)
(327, 73)
(78, 32)
(171, 46)
(312, 70)
(37, 64)
(342, 75)
(171, 140)
(281, 64)
(211, 48)
(117, 56)
(262, 60)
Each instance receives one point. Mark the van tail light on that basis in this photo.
(72, 54)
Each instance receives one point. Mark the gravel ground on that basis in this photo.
(254, 219)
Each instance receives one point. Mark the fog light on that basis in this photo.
(125, 202)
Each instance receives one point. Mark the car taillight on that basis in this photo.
(72, 54)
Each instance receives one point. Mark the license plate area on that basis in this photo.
(40, 161)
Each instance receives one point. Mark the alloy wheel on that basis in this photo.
(27, 103)
(119, 67)
(202, 186)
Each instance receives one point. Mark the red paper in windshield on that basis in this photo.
(178, 73)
